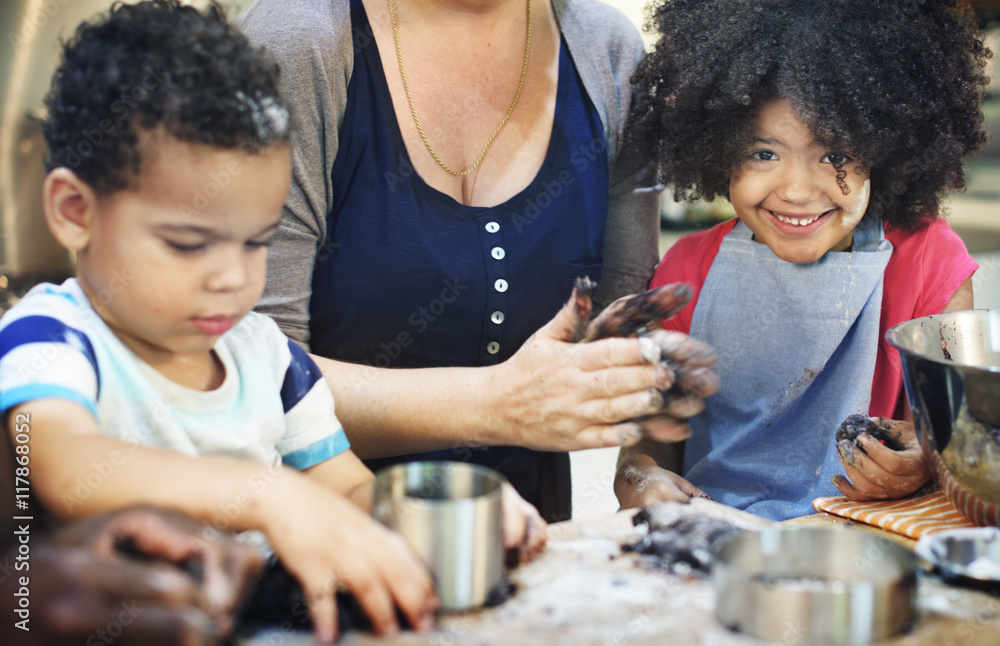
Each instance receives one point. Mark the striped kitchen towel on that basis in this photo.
(925, 512)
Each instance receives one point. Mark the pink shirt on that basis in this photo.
(927, 266)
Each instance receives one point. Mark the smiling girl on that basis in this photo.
(834, 128)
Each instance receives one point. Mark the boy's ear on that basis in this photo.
(70, 206)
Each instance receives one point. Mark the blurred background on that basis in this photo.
(29, 53)
(32, 29)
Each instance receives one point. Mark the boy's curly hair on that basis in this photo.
(157, 65)
(897, 83)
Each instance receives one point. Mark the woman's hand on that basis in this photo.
(640, 482)
(327, 542)
(524, 531)
(557, 395)
(141, 576)
(876, 472)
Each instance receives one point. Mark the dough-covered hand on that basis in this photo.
(691, 362)
(876, 472)
(328, 543)
(141, 576)
(557, 395)
(630, 315)
(524, 531)
(578, 384)
(645, 484)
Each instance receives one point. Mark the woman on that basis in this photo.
(457, 165)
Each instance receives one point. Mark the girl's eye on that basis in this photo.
(186, 248)
(837, 159)
(763, 155)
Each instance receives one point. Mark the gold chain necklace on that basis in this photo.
(413, 110)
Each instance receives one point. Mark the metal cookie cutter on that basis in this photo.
(815, 585)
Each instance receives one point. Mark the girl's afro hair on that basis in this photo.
(897, 83)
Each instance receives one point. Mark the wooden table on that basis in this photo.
(583, 590)
(823, 519)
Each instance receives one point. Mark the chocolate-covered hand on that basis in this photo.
(631, 315)
(690, 362)
(643, 484)
(140, 576)
(882, 459)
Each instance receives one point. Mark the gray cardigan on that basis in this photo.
(313, 44)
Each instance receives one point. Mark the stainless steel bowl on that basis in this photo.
(951, 371)
(968, 557)
(815, 585)
(450, 513)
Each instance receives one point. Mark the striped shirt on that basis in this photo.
(273, 405)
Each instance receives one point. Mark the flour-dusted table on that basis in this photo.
(583, 590)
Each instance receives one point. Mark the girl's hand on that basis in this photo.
(326, 542)
(876, 472)
(524, 531)
(642, 484)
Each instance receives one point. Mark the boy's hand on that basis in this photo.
(644, 485)
(326, 542)
(146, 575)
(524, 531)
(876, 472)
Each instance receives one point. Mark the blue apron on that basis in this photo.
(797, 347)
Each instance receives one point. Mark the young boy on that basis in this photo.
(146, 379)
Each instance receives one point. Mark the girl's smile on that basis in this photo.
(799, 198)
(798, 223)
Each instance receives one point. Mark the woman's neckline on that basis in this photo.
(435, 195)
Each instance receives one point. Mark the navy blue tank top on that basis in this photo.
(413, 278)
